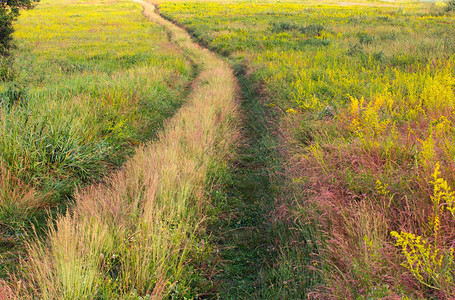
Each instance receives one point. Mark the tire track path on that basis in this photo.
(243, 230)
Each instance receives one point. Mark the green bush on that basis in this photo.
(9, 11)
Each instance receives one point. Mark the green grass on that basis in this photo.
(348, 111)
(85, 84)
(241, 229)
(139, 232)
(255, 255)
(365, 98)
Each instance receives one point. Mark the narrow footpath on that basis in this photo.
(241, 230)
(244, 231)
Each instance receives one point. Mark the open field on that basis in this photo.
(135, 164)
(85, 84)
(366, 99)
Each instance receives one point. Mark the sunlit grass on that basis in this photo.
(138, 233)
(78, 29)
(86, 83)
(366, 97)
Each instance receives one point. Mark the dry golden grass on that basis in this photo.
(15, 195)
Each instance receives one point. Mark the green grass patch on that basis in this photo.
(86, 83)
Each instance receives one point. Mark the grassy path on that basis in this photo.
(244, 231)
(248, 237)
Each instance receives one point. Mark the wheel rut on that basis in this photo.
(241, 228)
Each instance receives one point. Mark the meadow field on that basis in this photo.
(81, 89)
(364, 95)
(104, 195)
(86, 83)
(308, 154)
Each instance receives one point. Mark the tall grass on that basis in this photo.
(366, 98)
(82, 89)
(138, 233)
